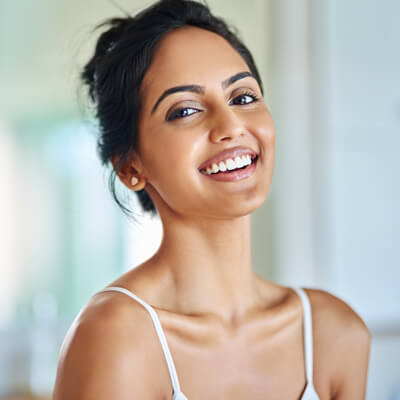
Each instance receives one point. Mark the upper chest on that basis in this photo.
(260, 361)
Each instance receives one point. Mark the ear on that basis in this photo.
(132, 167)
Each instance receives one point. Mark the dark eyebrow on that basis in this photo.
(200, 89)
(230, 81)
(186, 88)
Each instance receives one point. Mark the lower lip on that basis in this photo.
(236, 175)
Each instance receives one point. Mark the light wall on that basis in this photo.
(331, 221)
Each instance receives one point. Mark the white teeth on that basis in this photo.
(229, 164)
(214, 168)
(222, 166)
(239, 162)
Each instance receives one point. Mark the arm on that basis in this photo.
(354, 348)
(342, 347)
(103, 357)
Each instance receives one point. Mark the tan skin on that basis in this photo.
(232, 334)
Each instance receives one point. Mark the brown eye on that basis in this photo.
(182, 113)
(245, 98)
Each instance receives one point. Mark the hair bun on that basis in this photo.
(105, 44)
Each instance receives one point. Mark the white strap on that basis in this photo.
(159, 330)
(308, 338)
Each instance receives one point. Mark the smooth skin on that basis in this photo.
(232, 334)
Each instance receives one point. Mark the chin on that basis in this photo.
(242, 208)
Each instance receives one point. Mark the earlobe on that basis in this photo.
(137, 183)
(130, 172)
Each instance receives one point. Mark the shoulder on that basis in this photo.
(336, 315)
(107, 351)
(342, 340)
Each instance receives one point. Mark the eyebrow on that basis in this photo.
(201, 89)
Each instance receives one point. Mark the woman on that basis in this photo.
(183, 121)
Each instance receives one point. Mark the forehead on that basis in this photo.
(191, 55)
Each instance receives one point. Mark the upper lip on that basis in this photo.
(232, 152)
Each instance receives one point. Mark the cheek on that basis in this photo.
(262, 125)
(168, 155)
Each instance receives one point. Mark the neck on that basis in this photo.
(209, 265)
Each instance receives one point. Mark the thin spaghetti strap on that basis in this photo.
(160, 333)
(308, 336)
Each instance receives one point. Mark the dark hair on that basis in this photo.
(114, 74)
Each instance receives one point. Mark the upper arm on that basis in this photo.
(101, 359)
(344, 345)
(354, 346)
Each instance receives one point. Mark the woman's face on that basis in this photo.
(180, 129)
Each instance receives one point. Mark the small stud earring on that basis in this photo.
(134, 181)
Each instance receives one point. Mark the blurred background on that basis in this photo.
(332, 220)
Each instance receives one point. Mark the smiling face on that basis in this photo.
(199, 99)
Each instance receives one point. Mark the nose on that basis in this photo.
(226, 125)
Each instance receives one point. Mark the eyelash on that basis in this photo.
(175, 113)
(250, 94)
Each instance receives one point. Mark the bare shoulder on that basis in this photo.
(106, 352)
(342, 341)
(336, 313)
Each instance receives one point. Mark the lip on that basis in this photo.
(236, 175)
(232, 152)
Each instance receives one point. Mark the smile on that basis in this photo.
(230, 164)
(232, 169)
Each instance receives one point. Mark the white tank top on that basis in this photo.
(309, 392)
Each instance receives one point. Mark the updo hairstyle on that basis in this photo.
(114, 74)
